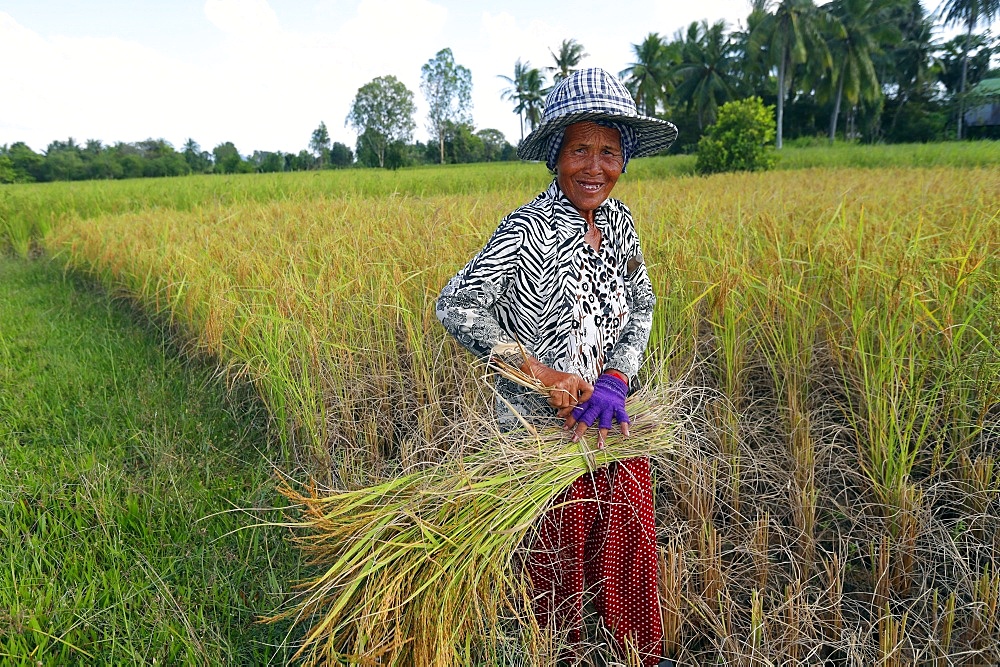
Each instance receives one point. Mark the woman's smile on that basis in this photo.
(589, 165)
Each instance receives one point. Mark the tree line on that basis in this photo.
(71, 161)
(863, 70)
(382, 114)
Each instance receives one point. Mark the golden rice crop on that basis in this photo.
(422, 569)
(841, 501)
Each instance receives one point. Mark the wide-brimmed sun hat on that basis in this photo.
(595, 95)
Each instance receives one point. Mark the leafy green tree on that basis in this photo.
(64, 161)
(705, 76)
(92, 148)
(740, 138)
(494, 144)
(160, 159)
(7, 174)
(304, 161)
(227, 159)
(382, 114)
(320, 143)
(199, 161)
(447, 88)
(862, 33)
(268, 162)
(127, 156)
(648, 77)
(792, 34)
(969, 13)
(105, 166)
(570, 54)
(366, 155)
(28, 165)
(461, 145)
(340, 155)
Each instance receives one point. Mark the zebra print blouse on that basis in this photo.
(524, 283)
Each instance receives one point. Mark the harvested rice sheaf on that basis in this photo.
(423, 569)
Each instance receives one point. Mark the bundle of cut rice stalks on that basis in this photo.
(423, 569)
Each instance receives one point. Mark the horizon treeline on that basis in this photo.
(70, 161)
(868, 71)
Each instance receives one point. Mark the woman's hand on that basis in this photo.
(569, 390)
(606, 403)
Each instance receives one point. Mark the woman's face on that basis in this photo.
(590, 162)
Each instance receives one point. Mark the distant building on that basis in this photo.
(984, 104)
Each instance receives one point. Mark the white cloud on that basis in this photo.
(242, 18)
(106, 88)
(504, 40)
(387, 37)
(258, 85)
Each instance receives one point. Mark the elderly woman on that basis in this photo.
(563, 277)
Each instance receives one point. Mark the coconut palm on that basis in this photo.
(527, 90)
(569, 56)
(912, 63)
(648, 77)
(792, 33)
(514, 92)
(533, 96)
(705, 77)
(753, 73)
(861, 31)
(969, 13)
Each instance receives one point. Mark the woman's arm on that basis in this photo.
(628, 352)
(465, 306)
(631, 346)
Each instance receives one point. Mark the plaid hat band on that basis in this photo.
(589, 90)
(595, 95)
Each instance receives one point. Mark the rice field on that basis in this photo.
(831, 337)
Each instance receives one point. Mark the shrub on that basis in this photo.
(739, 140)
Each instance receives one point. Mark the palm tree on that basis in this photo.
(909, 68)
(570, 55)
(705, 76)
(648, 77)
(753, 73)
(528, 90)
(515, 91)
(533, 96)
(970, 13)
(791, 34)
(860, 33)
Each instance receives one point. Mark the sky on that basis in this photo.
(263, 74)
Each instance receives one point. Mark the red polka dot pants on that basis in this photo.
(600, 537)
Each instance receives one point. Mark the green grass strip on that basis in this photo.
(120, 465)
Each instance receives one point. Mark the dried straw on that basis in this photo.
(423, 569)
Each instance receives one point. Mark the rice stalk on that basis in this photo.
(891, 634)
(760, 549)
(944, 627)
(424, 568)
(674, 578)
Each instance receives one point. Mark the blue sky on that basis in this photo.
(264, 73)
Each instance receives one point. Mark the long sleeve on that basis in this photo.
(466, 304)
(628, 352)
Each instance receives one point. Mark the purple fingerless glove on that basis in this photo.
(607, 401)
